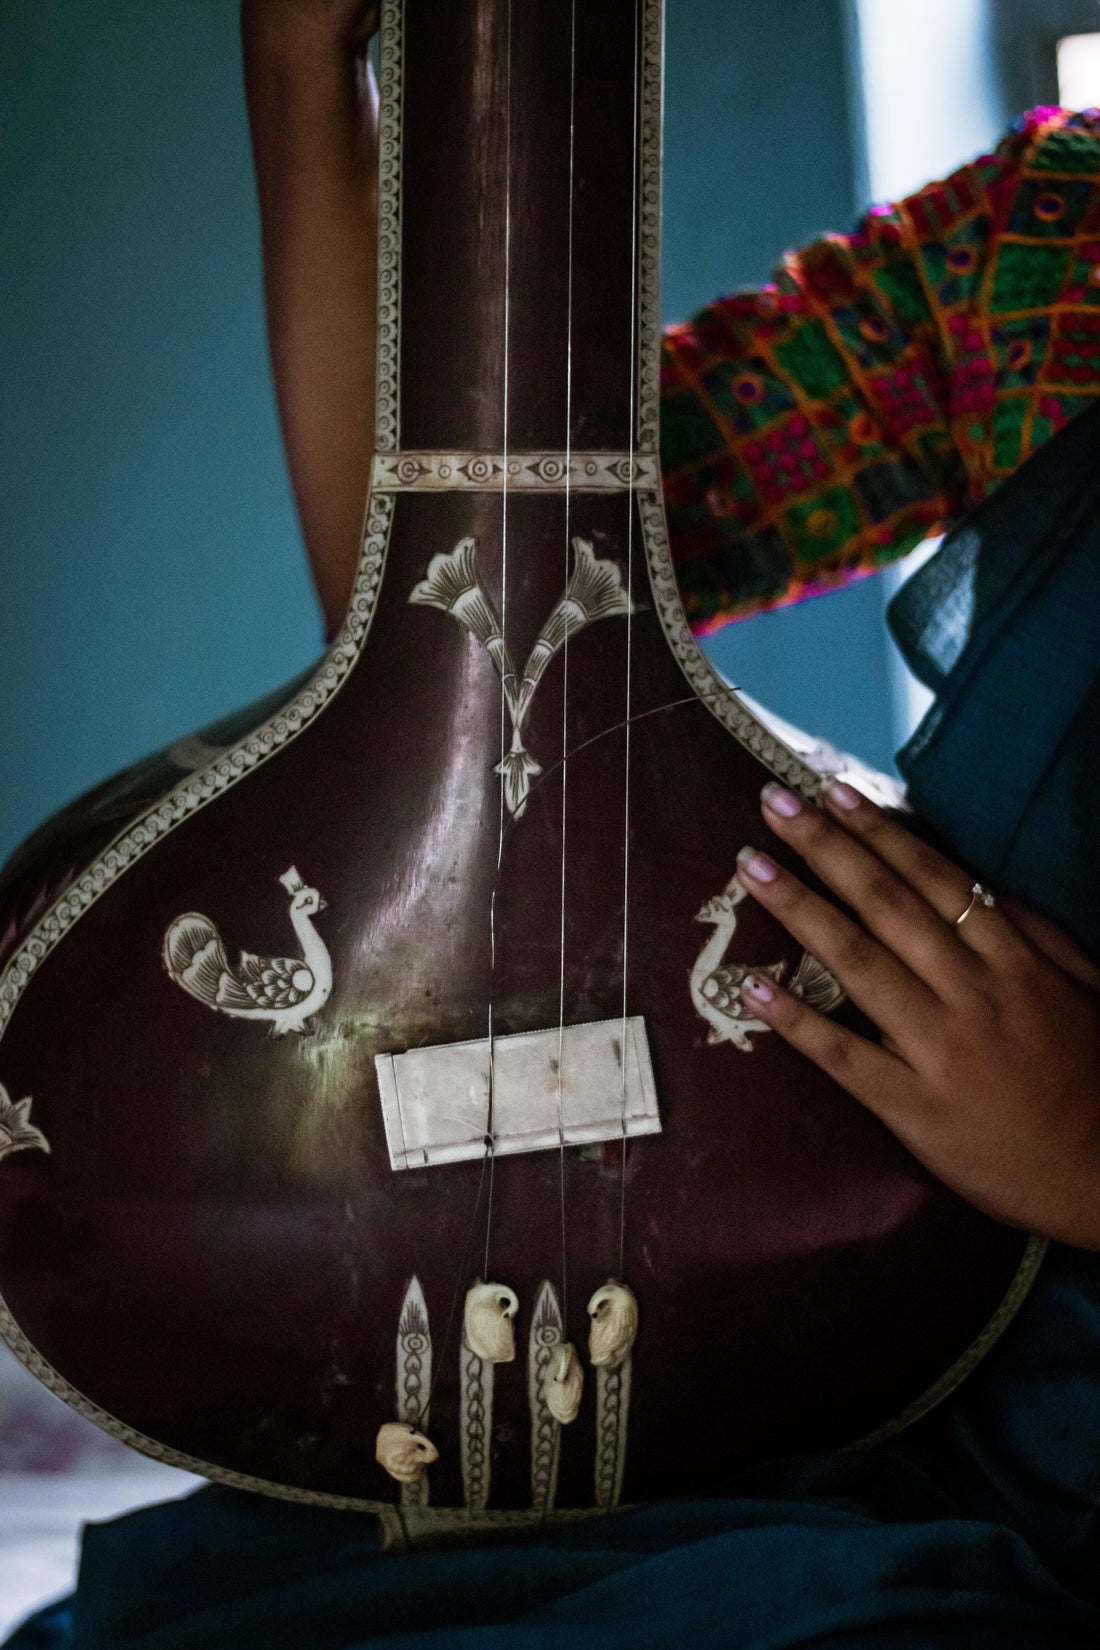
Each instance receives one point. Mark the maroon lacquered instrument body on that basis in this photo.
(214, 1255)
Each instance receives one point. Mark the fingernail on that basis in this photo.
(781, 802)
(753, 986)
(845, 796)
(756, 865)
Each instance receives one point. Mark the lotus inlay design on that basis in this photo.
(17, 1132)
(594, 591)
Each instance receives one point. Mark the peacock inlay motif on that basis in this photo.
(716, 985)
(284, 991)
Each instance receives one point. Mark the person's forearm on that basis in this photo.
(315, 148)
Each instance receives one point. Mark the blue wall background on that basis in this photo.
(763, 151)
(151, 571)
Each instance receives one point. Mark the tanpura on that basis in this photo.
(489, 1204)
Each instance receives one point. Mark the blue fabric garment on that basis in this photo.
(1004, 625)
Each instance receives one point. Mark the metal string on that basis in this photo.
(631, 502)
(502, 821)
(565, 656)
(461, 1283)
(490, 1138)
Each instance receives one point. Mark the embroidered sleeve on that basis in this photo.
(817, 430)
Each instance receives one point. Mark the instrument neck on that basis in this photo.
(515, 287)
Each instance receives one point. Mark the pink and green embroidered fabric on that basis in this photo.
(817, 430)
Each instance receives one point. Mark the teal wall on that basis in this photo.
(151, 577)
(762, 153)
(151, 574)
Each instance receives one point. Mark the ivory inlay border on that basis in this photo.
(391, 115)
(478, 472)
(648, 317)
(720, 700)
(969, 1360)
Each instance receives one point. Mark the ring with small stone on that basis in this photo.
(979, 895)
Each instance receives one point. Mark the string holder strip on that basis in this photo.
(506, 472)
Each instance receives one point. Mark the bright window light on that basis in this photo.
(1079, 71)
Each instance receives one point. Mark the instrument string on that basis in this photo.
(490, 1152)
(565, 662)
(462, 1277)
(490, 1121)
(642, 716)
(631, 505)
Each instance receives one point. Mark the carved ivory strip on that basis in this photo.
(612, 1412)
(414, 1377)
(547, 1333)
(582, 472)
(435, 1101)
(476, 1429)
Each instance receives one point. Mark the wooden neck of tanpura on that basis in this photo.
(512, 302)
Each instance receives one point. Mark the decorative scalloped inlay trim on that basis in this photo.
(701, 676)
(391, 105)
(477, 472)
(44, 1372)
(1017, 1293)
(648, 341)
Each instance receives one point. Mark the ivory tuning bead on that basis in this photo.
(564, 1384)
(403, 1451)
(613, 1314)
(490, 1332)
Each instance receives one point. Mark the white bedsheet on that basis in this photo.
(40, 1519)
(57, 1472)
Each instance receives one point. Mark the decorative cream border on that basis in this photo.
(391, 114)
(648, 341)
(969, 1360)
(249, 753)
(578, 472)
(704, 680)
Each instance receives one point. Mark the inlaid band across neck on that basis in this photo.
(573, 471)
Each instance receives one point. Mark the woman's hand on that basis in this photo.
(989, 1065)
